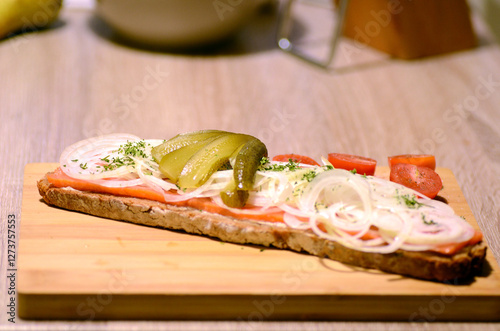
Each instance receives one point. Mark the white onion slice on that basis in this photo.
(257, 211)
(294, 222)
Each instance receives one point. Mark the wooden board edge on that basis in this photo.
(258, 308)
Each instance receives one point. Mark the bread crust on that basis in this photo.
(424, 265)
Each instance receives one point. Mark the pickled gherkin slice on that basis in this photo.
(232, 158)
(209, 159)
(182, 140)
(190, 159)
(171, 164)
(246, 163)
(247, 160)
(234, 198)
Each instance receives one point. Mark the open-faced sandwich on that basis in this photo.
(223, 185)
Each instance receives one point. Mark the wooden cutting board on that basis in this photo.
(75, 266)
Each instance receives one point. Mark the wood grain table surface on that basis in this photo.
(76, 80)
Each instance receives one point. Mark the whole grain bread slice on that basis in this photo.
(424, 265)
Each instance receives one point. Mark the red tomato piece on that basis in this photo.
(295, 158)
(421, 179)
(423, 160)
(362, 165)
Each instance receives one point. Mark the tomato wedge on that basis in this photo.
(421, 179)
(362, 165)
(295, 158)
(423, 160)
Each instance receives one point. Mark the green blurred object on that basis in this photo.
(26, 15)
(490, 11)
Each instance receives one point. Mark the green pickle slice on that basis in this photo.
(234, 198)
(209, 159)
(247, 162)
(189, 159)
(182, 140)
(171, 164)
(245, 166)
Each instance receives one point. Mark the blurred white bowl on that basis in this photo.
(177, 23)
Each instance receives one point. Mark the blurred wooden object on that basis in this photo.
(409, 29)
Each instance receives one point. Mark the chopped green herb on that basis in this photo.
(133, 149)
(410, 201)
(427, 222)
(129, 151)
(83, 166)
(309, 176)
(290, 166)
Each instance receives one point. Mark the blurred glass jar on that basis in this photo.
(404, 29)
(177, 23)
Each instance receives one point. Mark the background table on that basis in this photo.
(77, 80)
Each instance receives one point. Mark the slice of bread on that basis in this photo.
(424, 265)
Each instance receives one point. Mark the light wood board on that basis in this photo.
(75, 266)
